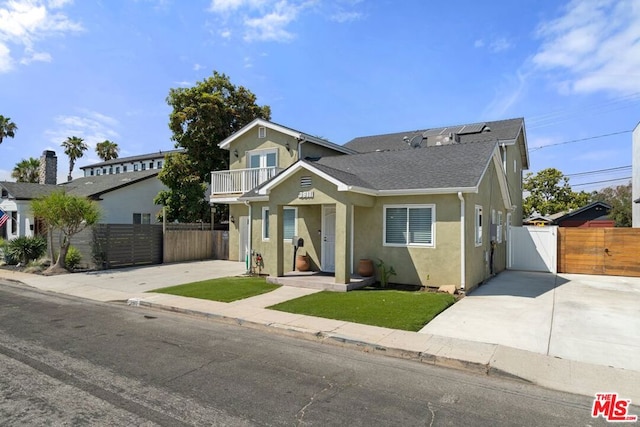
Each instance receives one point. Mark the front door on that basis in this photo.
(329, 239)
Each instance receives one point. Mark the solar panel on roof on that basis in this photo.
(473, 128)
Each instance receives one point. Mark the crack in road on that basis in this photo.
(301, 412)
(433, 414)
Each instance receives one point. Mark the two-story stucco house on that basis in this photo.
(435, 204)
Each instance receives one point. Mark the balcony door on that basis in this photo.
(265, 162)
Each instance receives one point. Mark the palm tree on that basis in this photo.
(107, 150)
(74, 147)
(27, 171)
(7, 128)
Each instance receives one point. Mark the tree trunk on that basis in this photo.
(60, 266)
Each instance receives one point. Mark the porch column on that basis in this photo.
(343, 242)
(274, 257)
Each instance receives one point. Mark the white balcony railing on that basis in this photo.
(239, 181)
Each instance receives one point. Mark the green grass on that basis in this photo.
(225, 289)
(408, 311)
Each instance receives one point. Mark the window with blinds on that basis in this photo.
(288, 221)
(409, 225)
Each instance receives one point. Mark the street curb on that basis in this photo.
(342, 341)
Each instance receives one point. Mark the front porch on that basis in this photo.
(319, 280)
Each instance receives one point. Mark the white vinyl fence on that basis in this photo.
(533, 248)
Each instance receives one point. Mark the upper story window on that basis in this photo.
(117, 169)
(262, 132)
(91, 172)
(5, 193)
(104, 171)
(409, 225)
(110, 170)
(144, 166)
(263, 158)
(135, 167)
(150, 165)
(159, 164)
(98, 171)
(124, 168)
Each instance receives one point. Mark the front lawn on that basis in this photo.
(225, 289)
(408, 311)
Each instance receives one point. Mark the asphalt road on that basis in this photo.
(65, 361)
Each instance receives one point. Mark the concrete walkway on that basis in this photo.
(515, 350)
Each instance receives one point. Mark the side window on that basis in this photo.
(478, 225)
(265, 224)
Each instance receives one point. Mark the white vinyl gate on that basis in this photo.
(533, 248)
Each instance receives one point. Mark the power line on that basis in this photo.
(601, 182)
(594, 172)
(581, 139)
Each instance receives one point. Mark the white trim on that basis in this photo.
(409, 206)
(265, 209)
(262, 132)
(323, 225)
(295, 168)
(463, 248)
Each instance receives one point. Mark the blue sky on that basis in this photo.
(337, 69)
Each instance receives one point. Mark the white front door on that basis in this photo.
(243, 242)
(329, 238)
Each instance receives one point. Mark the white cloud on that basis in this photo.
(500, 45)
(197, 67)
(478, 43)
(91, 126)
(593, 46)
(343, 16)
(266, 20)
(24, 23)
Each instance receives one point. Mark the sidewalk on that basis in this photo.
(132, 284)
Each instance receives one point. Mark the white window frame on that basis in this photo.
(265, 231)
(478, 225)
(499, 227)
(262, 132)
(295, 221)
(410, 206)
(263, 157)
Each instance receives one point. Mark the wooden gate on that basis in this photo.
(605, 251)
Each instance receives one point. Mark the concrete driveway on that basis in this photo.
(593, 319)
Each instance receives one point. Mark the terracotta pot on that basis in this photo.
(302, 263)
(365, 268)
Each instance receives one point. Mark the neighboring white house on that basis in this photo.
(123, 198)
(128, 164)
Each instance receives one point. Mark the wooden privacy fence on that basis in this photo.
(192, 242)
(606, 251)
(120, 245)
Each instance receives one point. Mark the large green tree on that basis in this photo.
(67, 213)
(619, 198)
(202, 116)
(27, 170)
(550, 192)
(184, 201)
(74, 148)
(107, 150)
(7, 128)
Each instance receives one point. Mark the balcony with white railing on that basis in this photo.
(239, 181)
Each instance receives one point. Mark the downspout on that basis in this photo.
(463, 248)
(249, 232)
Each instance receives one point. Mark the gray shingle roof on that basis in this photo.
(499, 130)
(90, 186)
(130, 159)
(94, 186)
(27, 190)
(438, 167)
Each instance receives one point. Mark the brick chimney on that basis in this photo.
(48, 168)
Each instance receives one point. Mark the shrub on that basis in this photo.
(73, 258)
(25, 249)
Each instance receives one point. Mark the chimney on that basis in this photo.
(48, 168)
